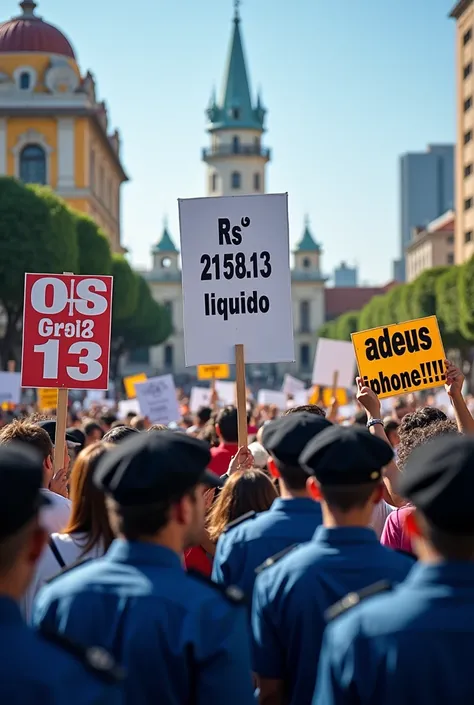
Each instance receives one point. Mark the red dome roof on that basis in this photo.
(28, 33)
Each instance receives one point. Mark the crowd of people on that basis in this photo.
(327, 562)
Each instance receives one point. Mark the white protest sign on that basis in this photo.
(225, 392)
(200, 396)
(10, 387)
(268, 397)
(236, 279)
(128, 406)
(334, 356)
(301, 397)
(291, 385)
(157, 399)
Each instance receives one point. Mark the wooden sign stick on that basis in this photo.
(241, 389)
(61, 423)
(335, 380)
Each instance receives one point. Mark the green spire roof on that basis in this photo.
(307, 242)
(166, 244)
(235, 107)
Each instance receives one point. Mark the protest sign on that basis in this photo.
(130, 382)
(326, 395)
(47, 399)
(268, 397)
(157, 399)
(199, 397)
(225, 392)
(10, 387)
(236, 279)
(66, 331)
(401, 358)
(128, 406)
(213, 372)
(291, 385)
(334, 362)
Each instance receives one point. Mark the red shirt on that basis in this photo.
(196, 558)
(221, 457)
(395, 534)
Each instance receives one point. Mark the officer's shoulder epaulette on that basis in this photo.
(240, 520)
(231, 592)
(94, 658)
(355, 598)
(274, 559)
(67, 569)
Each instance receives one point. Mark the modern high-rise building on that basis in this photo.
(426, 192)
(463, 13)
(345, 276)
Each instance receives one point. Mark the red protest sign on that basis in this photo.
(66, 331)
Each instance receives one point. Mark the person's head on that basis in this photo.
(345, 465)
(22, 537)
(203, 416)
(139, 423)
(36, 437)
(93, 432)
(88, 513)
(307, 408)
(401, 409)
(439, 482)
(360, 419)
(158, 427)
(155, 484)
(118, 434)
(420, 435)
(391, 431)
(49, 425)
(420, 418)
(226, 424)
(260, 455)
(285, 439)
(131, 415)
(251, 490)
(106, 421)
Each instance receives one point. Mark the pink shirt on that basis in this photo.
(394, 534)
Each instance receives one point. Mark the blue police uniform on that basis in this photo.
(36, 671)
(291, 598)
(246, 545)
(180, 638)
(409, 647)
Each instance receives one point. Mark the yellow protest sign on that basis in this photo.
(47, 399)
(130, 382)
(327, 395)
(213, 371)
(401, 358)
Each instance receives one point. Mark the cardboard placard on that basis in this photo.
(269, 397)
(47, 399)
(10, 387)
(213, 372)
(291, 385)
(130, 382)
(401, 358)
(199, 397)
(334, 357)
(157, 399)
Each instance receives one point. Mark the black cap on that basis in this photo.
(77, 435)
(21, 479)
(343, 455)
(438, 479)
(50, 428)
(150, 467)
(286, 437)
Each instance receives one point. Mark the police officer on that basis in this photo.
(292, 596)
(181, 638)
(38, 669)
(415, 644)
(292, 518)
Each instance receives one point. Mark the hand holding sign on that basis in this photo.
(454, 379)
(368, 399)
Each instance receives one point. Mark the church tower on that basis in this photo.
(236, 159)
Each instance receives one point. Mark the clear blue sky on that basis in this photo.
(349, 85)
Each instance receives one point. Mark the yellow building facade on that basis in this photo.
(53, 129)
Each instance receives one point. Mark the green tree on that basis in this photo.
(447, 309)
(404, 306)
(423, 302)
(391, 305)
(466, 299)
(346, 324)
(147, 326)
(95, 256)
(125, 296)
(328, 330)
(371, 314)
(37, 234)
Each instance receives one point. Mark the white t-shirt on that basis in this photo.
(70, 547)
(55, 517)
(379, 515)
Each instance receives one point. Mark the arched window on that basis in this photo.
(25, 81)
(33, 164)
(306, 263)
(305, 317)
(256, 181)
(235, 179)
(235, 145)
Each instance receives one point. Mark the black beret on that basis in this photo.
(21, 479)
(286, 437)
(438, 479)
(50, 427)
(151, 467)
(343, 455)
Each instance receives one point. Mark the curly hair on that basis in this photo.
(420, 419)
(309, 408)
(419, 435)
